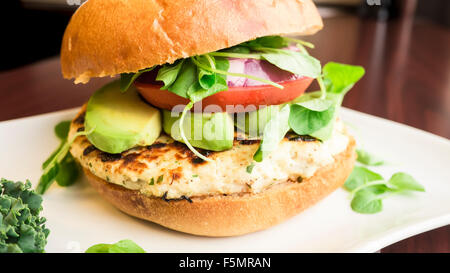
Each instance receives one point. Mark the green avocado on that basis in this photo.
(210, 131)
(120, 120)
(253, 123)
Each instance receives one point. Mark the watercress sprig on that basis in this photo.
(366, 158)
(368, 189)
(313, 113)
(123, 246)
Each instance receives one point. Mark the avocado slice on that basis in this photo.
(210, 131)
(253, 123)
(121, 120)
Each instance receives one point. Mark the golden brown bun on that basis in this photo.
(231, 215)
(108, 37)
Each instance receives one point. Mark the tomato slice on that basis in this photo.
(233, 100)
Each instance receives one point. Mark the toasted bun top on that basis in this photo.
(108, 37)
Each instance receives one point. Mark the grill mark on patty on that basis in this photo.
(197, 160)
(249, 141)
(107, 157)
(183, 197)
(89, 149)
(129, 158)
(156, 146)
(80, 119)
(295, 137)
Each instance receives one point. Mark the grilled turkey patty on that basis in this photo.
(169, 169)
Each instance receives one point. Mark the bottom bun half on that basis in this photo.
(233, 214)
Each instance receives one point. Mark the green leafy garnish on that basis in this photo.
(310, 116)
(368, 188)
(359, 177)
(340, 78)
(66, 171)
(268, 41)
(250, 167)
(61, 166)
(168, 73)
(367, 158)
(314, 113)
(273, 133)
(22, 230)
(123, 246)
(198, 77)
(208, 82)
(127, 79)
(367, 202)
(294, 62)
(160, 179)
(62, 129)
(201, 76)
(403, 181)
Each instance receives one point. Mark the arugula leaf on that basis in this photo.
(68, 171)
(62, 129)
(237, 49)
(268, 41)
(22, 229)
(206, 78)
(48, 177)
(274, 132)
(197, 91)
(295, 62)
(185, 79)
(366, 201)
(340, 78)
(123, 246)
(52, 156)
(305, 120)
(53, 167)
(169, 73)
(254, 122)
(405, 181)
(126, 79)
(367, 158)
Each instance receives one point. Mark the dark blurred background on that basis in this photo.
(33, 29)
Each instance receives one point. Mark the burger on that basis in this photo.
(207, 128)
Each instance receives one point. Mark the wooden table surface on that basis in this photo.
(407, 80)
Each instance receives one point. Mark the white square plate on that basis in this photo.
(79, 218)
